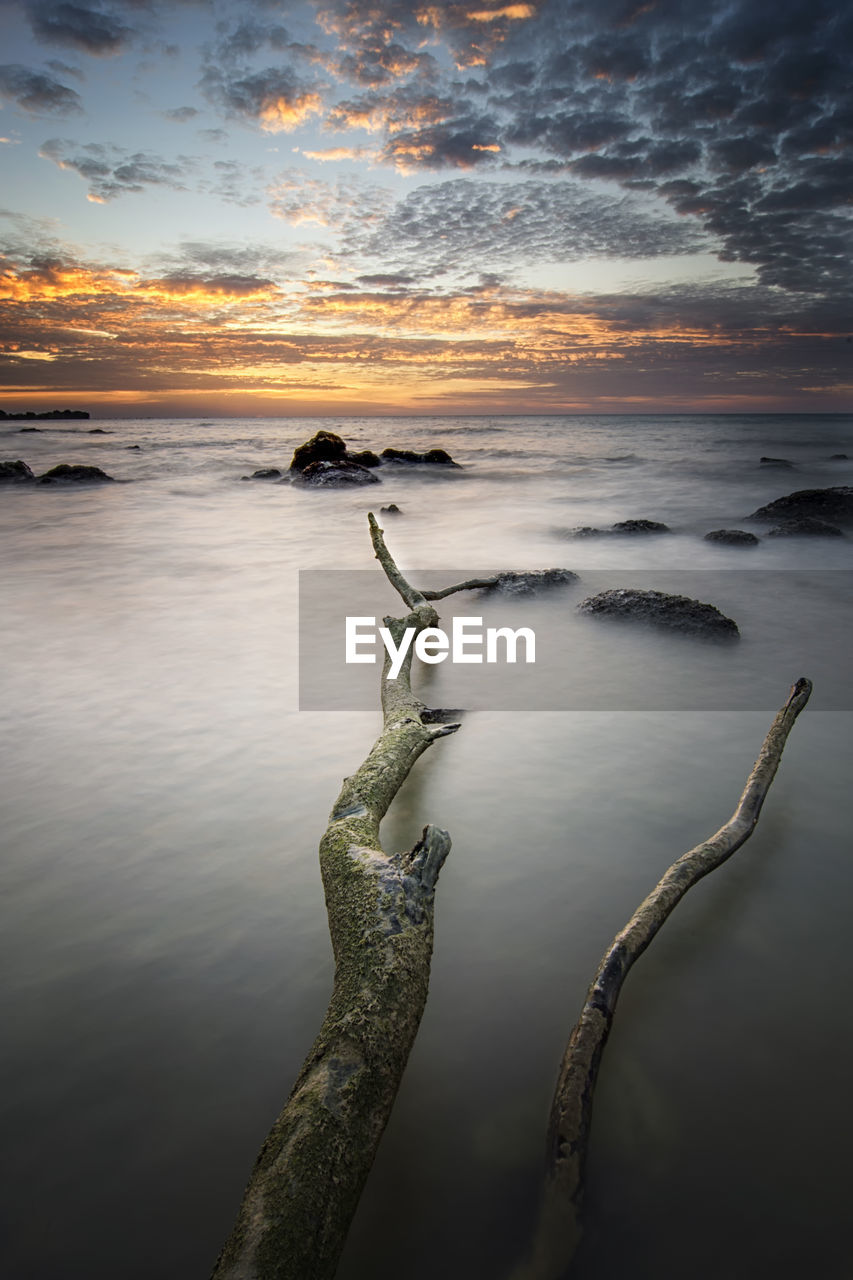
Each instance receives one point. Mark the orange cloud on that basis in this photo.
(514, 12)
(280, 115)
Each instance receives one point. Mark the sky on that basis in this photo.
(392, 206)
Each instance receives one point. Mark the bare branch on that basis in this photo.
(310, 1172)
(560, 1225)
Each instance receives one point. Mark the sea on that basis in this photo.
(170, 754)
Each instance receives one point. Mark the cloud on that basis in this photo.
(37, 93)
(181, 114)
(451, 226)
(350, 205)
(276, 98)
(91, 30)
(111, 171)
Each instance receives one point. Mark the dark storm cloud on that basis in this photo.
(463, 224)
(91, 30)
(36, 93)
(111, 171)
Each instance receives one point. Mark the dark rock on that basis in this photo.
(806, 526)
(529, 581)
(640, 526)
(74, 473)
(15, 473)
(324, 446)
(133, 446)
(732, 537)
(838, 457)
(433, 457)
(98, 431)
(391, 510)
(833, 505)
(365, 458)
(675, 613)
(335, 475)
(776, 462)
(23, 430)
(629, 527)
(264, 473)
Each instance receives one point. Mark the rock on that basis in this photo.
(433, 457)
(133, 446)
(732, 537)
(833, 505)
(529, 581)
(15, 473)
(264, 473)
(324, 446)
(776, 462)
(74, 473)
(640, 526)
(98, 431)
(365, 458)
(675, 613)
(838, 457)
(806, 526)
(335, 475)
(391, 510)
(630, 527)
(24, 430)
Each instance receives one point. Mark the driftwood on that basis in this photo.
(309, 1174)
(559, 1227)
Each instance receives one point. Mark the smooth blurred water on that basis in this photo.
(164, 946)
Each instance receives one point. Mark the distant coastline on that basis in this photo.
(49, 415)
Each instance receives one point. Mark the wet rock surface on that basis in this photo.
(335, 475)
(776, 462)
(391, 510)
(623, 528)
(529, 582)
(834, 505)
(74, 473)
(264, 473)
(673, 613)
(732, 537)
(432, 457)
(16, 473)
(805, 526)
(324, 446)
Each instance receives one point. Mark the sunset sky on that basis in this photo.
(366, 206)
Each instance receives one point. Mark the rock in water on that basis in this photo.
(629, 528)
(335, 475)
(776, 462)
(324, 446)
(365, 458)
(432, 457)
(732, 537)
(74, 473)
(675, 613)
(15, 473)
(640, 526)
(805, 526)
(264, 473)
(529, 581)
(834, 505)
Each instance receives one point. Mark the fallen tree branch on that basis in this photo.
(309, 1174)
(559, 1227)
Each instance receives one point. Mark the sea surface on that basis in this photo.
(165, 782)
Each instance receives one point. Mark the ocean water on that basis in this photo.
(164, 948)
